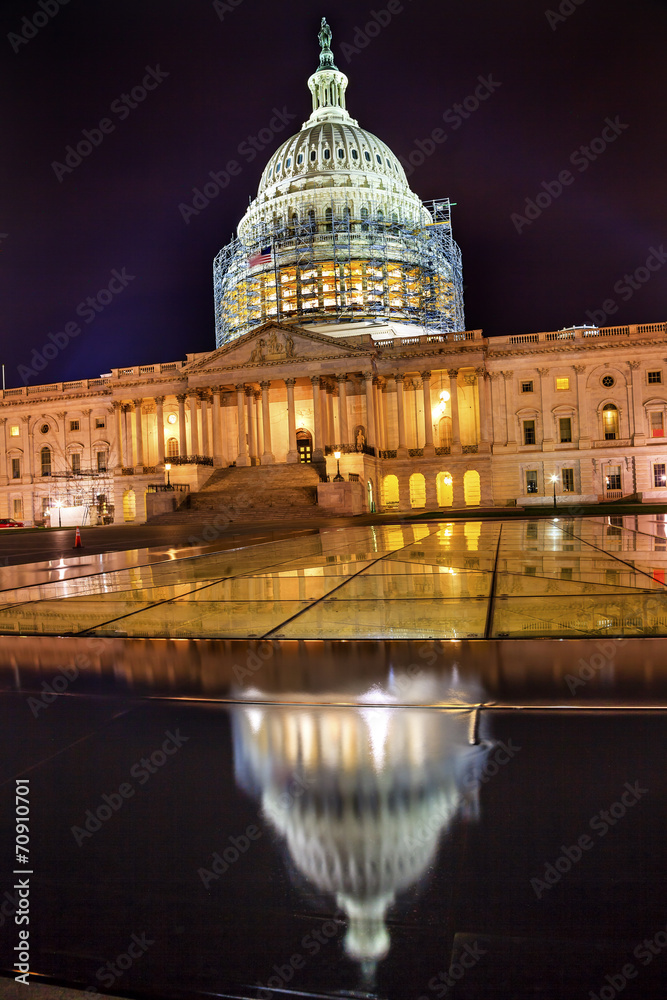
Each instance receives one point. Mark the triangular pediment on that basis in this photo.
(274, 344)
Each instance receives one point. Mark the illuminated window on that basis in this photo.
(172, 418)
(531, 481)
(613, 477)
(529, 432)
(654, 378)
(660, 476)
(565, 429)
(562, 384)
(610, 422)
(172, 448)
(100, 422)
(14, 431)
(568, 480)
(18, 507)
(526, 387)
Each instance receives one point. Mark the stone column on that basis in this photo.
(582, 408)
(429, 448)
(379, 420)
(497, 410)
(243, 457)
(638, 430)
(484, 410)
(292, 452)
(509, 410)
(371, 434)
(342, 409)
(217, 430)
(317, 418)
(205, 444)
(325, 416)
(117, 422)
(454, 407)
(3, 451)
(259, 430)
(402, 451)
(330, 415)
(128, 451)
(138, 434)
(159, 417)
(28, 439)
(182, 438)
(267, 455)
(547, 416)
(194, 423)
(252, 423)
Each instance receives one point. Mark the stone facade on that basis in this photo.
(505, 414)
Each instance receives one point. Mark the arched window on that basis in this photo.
(172, 448)
(472, 493)
(417, 490)
(394, 222)
(328, 221)
(311, 219)
(45, 455)
(610, 422)
(390, 493)
(445, 489)
(295, 225)
(346, 216)
(380, 217)
(364, 220)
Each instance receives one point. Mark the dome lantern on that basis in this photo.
(328, 84)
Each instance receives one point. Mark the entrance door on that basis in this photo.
(304, 444)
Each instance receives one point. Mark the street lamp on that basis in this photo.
(59, 504)
(167, 469)
(554, 480)
(337, 478)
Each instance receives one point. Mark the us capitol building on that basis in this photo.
(340, 330)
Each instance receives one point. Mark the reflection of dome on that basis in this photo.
(336, 235)
(361, 797)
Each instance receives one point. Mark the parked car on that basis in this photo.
(9, 522)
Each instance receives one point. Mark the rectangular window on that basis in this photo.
(568, 480)
(76, 462)
(100, 422)
(613, 478)
(529, 432)
(657, 424)
(562, 384)
(659, 475)
(566, 573)
(526, 387)
(74, 425)
(529, 570)
(16, 468)
(531, 530)
(101, 461)
(14, 430)
(654, 378)
(531, 481)
(611, 577)
(565, 429)
(18, 507)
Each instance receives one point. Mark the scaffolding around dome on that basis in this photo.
(337, 269)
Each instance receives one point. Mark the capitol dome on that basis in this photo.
(335, 235)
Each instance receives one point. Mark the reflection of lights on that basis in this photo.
(440, 407)
(172, 418)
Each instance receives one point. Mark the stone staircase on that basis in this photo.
(256, 493)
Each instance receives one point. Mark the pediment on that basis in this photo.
(273, 344)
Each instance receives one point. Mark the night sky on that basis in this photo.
(219, 72)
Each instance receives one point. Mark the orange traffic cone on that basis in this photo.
(78, 544)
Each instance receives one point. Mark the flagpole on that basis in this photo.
(275, 272)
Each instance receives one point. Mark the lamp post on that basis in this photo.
(167, 469)
(59, 504)
(554, 480)
(337, 478)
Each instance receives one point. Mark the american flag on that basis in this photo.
(263, 257)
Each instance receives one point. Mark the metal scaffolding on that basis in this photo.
(337, 269)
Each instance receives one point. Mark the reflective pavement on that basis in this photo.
(467, 579)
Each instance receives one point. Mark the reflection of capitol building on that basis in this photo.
(361, 796)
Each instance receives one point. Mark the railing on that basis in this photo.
(190, 460)
(349, 449)
(168, 488)
(425, 339)
(470, 449)
(415, 452)
(445, 450)
(352, 477)
(580, 332)
(36, 390)
(388, 453)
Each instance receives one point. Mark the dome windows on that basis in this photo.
(367, 155)
(299, 159)
(288, 162)
(278, 169)
(355, 154)
(341, 154)
(327, 154)
(313, 155)
(378, 158)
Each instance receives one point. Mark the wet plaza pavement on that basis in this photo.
(412, 811)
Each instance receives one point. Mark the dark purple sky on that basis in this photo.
(227, 71)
